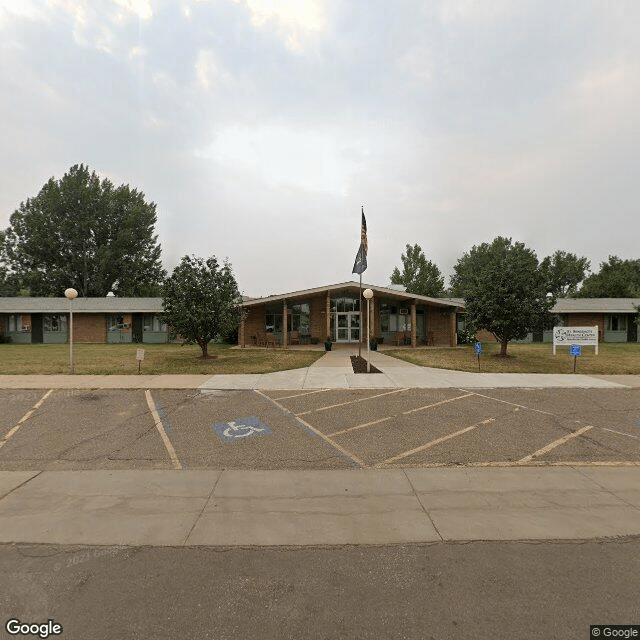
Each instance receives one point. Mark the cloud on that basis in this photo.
(208, 70)
(295, 21)
(284, 156)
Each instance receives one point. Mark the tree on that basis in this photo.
(617, 278)
(419, 275)
(85, 233)
(201, 301)
(504, 289)
(564, 272)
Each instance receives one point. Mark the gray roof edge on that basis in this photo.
(334, 287)
(109, 304)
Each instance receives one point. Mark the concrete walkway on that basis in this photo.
(332, 371)
(228, 508)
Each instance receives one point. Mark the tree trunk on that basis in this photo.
(204, 345)
(503, 347)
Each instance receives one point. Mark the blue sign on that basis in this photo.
(575, 350)
(478, 348)
(240, 429)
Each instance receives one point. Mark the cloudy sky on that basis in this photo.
(260, 127)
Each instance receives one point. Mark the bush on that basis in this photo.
(466, 336)
(4, 339)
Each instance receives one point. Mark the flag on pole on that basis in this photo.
(360, 265)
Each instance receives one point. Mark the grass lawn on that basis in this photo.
(529, 358)
(103, 359)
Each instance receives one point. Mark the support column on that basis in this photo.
(241, 332)
(285, 335)
(328, 327)
(414, 329)
(452, 329)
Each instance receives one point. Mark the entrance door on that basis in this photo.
(136, 327)
(348, 326)
(37, 335)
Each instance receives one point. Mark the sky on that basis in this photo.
(261, 127)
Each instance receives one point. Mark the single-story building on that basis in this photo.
(109, 319)
(333, 311)
(614, 317)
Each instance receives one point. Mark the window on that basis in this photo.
(616, 322)
(152, 322)
(14, 324)
(273, 320)
(54, 324)
(345, 303)
(299, 318)
(115, 322)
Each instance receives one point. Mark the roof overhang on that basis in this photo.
(353, 287)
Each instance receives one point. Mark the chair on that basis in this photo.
(270, 339)
(262, 339)
(428, 340)
(294, 337)
(398, 339)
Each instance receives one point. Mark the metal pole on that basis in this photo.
(368, 341)
(360, 310)
(71, 367)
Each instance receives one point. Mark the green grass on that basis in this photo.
(529, 358)
(102, 359)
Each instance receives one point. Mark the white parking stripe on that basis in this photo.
(341, 404)
(160, 427)
(379, 420)
(555, 443)
(299, 395)
(513, 404)
(436, 404)
(620, 433)
(428, 445)
(327, 439)
(24, 418)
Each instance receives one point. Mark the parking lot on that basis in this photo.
(320, 429)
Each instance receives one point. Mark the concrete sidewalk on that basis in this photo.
(332, 371)
(230, 508)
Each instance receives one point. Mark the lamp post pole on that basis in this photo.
(71, 294)
(368, 294)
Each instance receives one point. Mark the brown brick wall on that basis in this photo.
(89, 327)
(587, 320)
(441, 326)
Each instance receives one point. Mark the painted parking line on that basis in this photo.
(433, 443)
(299, 395)
(397, 415)
(161, 430)
(24, 418)
(513, 404)
(620, 433)
(342, 404)
(555, 444)
(327, 439)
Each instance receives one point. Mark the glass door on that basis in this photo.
(347, 326)
(354, 326)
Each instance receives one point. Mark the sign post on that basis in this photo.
(478, 348)
(575, 350)
(139, 357)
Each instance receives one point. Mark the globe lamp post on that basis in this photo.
(71, 295)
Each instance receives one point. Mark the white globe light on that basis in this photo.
(71, 293)
(368, 294)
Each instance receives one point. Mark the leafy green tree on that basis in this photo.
(617, 278)
(564, 272)
(201, 301)
(419, 275)
(85, 233)
(504, 289)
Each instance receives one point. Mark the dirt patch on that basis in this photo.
(359, 365)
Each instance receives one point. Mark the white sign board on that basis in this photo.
(566, 336)
(140, 354)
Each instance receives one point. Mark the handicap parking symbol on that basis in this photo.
(240, 429)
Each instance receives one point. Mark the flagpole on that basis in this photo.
(360, 307)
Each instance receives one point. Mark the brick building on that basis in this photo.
(109, 319)
(312, 315)
(614, 317)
